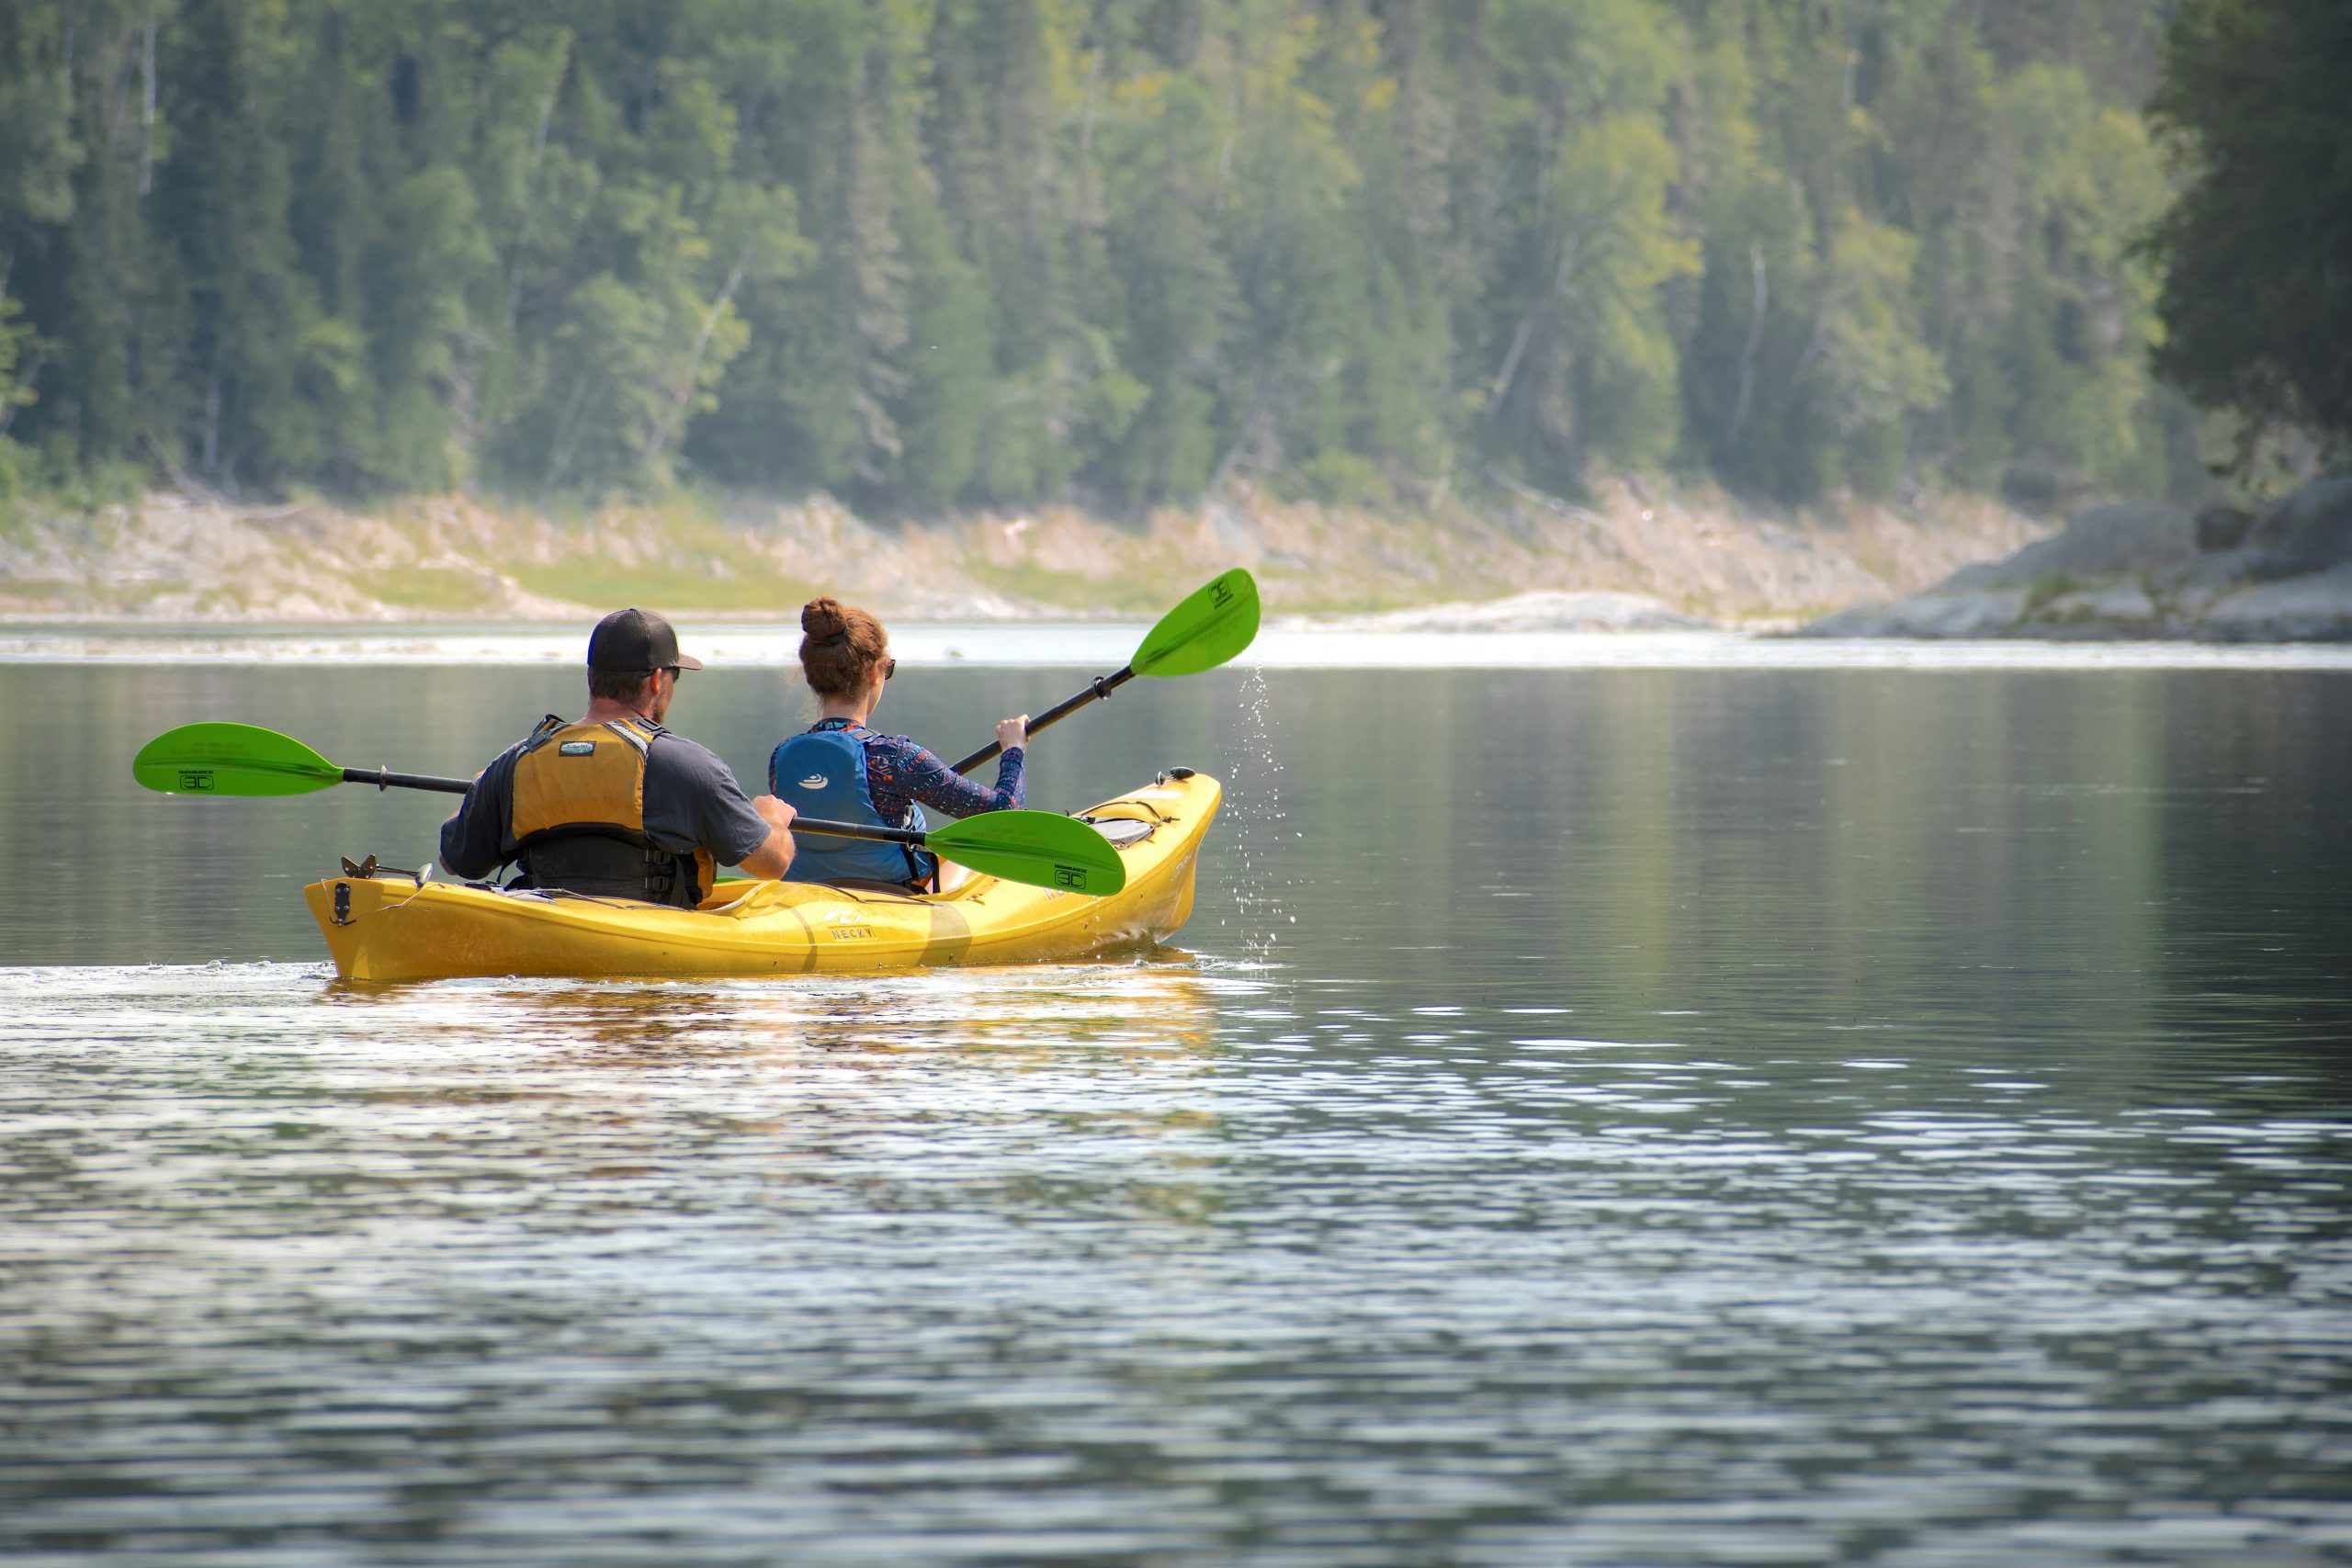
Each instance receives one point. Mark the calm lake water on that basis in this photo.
(1596, 1116)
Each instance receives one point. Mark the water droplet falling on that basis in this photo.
(1265, 873)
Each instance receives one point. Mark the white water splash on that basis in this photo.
(1262, 839)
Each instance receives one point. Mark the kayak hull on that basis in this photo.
(388, 926)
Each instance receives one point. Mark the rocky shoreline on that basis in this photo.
(2153, 572)
(1644, 553)
(1643, 557)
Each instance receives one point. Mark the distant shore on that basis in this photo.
(1644, 555)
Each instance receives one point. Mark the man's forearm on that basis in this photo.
(773, 858)
(460, 858)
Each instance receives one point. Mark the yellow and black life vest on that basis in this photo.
(579, 816)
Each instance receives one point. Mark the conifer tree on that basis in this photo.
(2257, 294)
(932, 253)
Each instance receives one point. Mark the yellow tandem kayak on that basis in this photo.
(388, 926)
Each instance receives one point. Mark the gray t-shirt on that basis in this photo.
(692, 801)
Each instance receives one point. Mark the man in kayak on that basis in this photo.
(614, 806)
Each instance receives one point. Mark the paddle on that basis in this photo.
(1209, 627)
(1034, 846)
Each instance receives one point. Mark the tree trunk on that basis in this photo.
(1747, 349)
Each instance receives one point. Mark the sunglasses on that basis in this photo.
(889, 667)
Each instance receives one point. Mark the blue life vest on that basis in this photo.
(822, 774)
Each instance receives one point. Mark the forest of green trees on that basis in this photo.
(934, 253)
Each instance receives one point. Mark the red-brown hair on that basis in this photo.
(840, 645)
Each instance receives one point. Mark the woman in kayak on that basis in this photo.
(842, 771)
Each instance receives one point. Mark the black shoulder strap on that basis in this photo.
(543, 729)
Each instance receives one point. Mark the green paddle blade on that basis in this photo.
(1034, 846)
(231, 758)
(1203, 631)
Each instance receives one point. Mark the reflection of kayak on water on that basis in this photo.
(844, 1031)
(386, 926)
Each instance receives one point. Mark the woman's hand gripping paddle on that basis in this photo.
(1204, 631)
(1034, 846)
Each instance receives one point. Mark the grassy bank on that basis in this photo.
(169, 557)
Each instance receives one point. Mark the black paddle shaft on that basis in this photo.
(384, 778)
(1102, 689)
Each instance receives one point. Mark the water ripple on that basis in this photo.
(1085, 1265)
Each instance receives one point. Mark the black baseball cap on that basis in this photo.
(635, 641)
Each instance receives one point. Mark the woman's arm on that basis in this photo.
(901, 770)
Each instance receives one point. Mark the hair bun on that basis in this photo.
(841, 646)
(821, 618)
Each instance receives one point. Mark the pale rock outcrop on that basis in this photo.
(2147, 570)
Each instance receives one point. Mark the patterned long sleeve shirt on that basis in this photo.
(899, 774)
